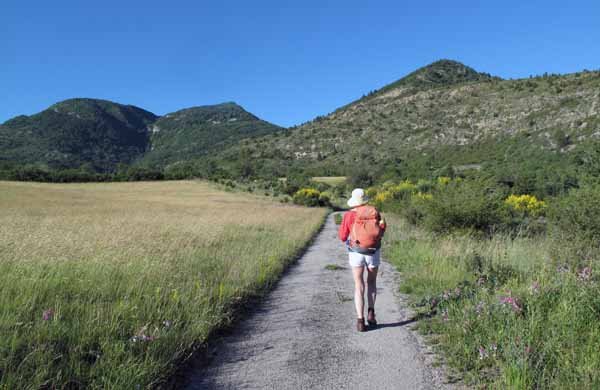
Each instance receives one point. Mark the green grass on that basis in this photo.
(338, 218)
(330, 180)
(507, 314)
(113, 285)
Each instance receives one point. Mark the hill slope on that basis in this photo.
(444, 111)
(76, 132)
(197, 131)
(100, 135)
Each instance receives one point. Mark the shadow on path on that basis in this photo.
(411, 320)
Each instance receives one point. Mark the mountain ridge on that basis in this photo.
(551, 113)
(444, 113)
(101, 135)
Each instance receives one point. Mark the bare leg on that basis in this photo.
(372, 285)
(359, 291)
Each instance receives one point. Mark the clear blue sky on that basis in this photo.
(285, 61)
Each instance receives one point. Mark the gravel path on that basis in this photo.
(303, 335)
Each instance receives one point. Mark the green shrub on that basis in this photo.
(361, 178)
(325, 198)
(575, 218)
(415, 208)
(424, 185)
(464, 205)
(340, 190)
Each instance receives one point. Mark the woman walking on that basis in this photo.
(361, 229)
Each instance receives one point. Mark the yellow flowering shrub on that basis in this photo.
(388, 184)
(310, 192)
(371, 192)
(424, 195)
(382, 197)
(307, 197)
(443, 180)
(528, 204)
(403, 190)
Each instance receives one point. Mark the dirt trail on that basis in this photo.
(303, 335)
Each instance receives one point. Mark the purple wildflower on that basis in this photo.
(48, 315)
(511, 301)
(584, 274)
(483, 354)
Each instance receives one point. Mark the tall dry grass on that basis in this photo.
(110, 285)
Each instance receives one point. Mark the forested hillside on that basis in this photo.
(97, 134)
(197, 131)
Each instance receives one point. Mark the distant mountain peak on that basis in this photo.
(197, 131)
(439, 73)
(446, 71)
(446, 63)
(213, 112)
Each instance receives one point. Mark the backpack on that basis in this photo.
(365, 232)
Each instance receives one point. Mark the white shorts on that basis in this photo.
(360, 260)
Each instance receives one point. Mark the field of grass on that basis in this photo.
(507, 313)
(113, 285)
(330, 180)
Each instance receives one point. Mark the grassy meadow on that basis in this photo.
(113, 285)
(511, 304)
(330, 180)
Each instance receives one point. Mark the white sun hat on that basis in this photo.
(358, 198)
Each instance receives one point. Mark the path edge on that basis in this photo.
(199, 354)
(435, 361)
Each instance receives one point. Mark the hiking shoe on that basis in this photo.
(371, 317)
(360, 325)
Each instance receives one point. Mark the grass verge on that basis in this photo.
(507, 314)
(338, 218)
